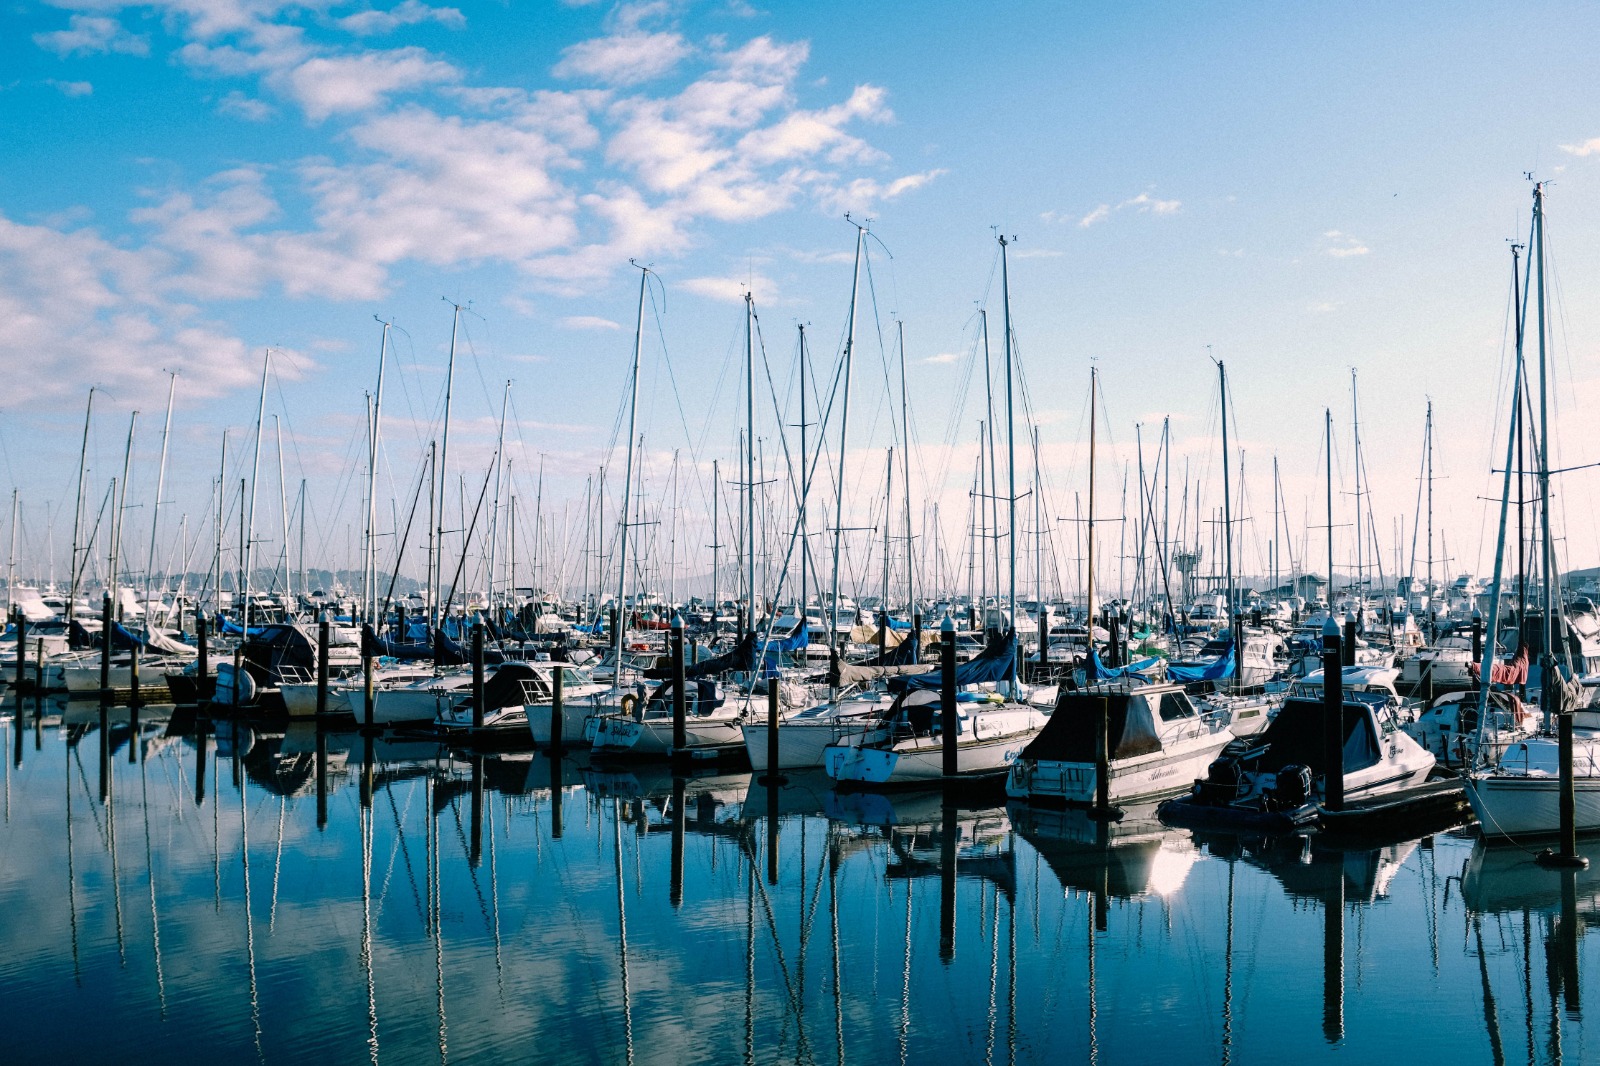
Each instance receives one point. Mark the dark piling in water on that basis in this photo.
(680, 818)
(1333, 716)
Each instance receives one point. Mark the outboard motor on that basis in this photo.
(1222, 781)
(1293, 787)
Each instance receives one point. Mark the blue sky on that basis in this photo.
(1303, 190)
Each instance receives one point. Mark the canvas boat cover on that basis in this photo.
(1069, 733)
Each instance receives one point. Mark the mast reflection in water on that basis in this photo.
(170, 894)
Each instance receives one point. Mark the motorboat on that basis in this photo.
(1158, 742)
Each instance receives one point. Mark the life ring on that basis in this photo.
(629, 702)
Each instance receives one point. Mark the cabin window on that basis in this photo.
(1174, 706)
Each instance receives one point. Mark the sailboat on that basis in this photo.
(1549, 783)
(993, 720)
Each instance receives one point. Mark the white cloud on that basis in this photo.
(408, 13)
(623, 59)
(1098, 214)
(589, 322)
(86, 311)
(90, 35)
(943, 358)
(861, 193)
(330, 84)
(1342, 245)
(1589, 147)
(71, 88)
(238, 105)
(1145, 203)
(732, 290)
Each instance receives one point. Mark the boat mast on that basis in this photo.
(369, 568)
(805, 485)
(1234, 620)
(991, 523)
(844, 428)
(283, 511)
(77, 514)
(750, 453)
(11, 560)
(443, 482)
(222, 493)
(494, 523)
(716, 493)
(1327, 416)
(905, 462)
(627, 479)
(1094, 381)
(1355, 423)
(1547, 547)
(1011, 468)
(161, 483)
(248, 547)
(118, 499)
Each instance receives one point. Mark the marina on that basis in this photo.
(306, 892)
(662, 531)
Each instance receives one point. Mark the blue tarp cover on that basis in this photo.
(1215, 670)
(994, 663)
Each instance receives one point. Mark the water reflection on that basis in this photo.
(229, 892)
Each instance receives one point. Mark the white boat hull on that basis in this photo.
(613, 734)
(800, 746)
(923, 760)
(1511, 806)
(1160, 773)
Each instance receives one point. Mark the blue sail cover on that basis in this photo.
(1215, 670)
(1095, 670)
(225, 625)
(374, 646)
(992, 664)
(447, 652)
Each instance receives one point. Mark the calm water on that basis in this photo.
(196, 903)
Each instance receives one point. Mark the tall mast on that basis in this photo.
(716, 494)
(11, 560)
(805, 483)
(750, 452)
(1547, 547)
(905, 460)
(1094, 381)
(119, 498)
(844, 428)
(77, 513)
(440, 477)
(992, 522)
(1355, 423)
(1327, 415)
(255, 470)
(222, 495)
(1519, 309)
(494, 524)
(538, 531)
(161, 484)
(369, 568)
(888, 498)
(1038, 540)
(1227, 518)
(1011, 465)
(302, 509)
(283, 509)
(627, 478)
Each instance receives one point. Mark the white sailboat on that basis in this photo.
(1523, 795)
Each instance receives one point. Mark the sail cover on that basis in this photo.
(994, 663)
(374, 646)
(1215, 670)
(1069, 733)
